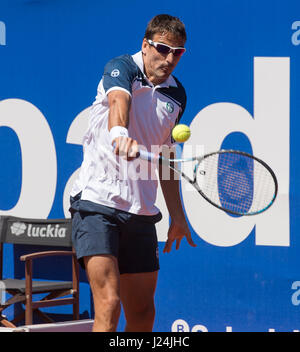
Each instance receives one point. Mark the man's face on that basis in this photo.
(158, 67)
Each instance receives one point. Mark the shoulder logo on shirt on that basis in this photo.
(115, 73)
(170, 107)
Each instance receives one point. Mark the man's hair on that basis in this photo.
(165, 23)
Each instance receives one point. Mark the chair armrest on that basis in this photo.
(45, 254)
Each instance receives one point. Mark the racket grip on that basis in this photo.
(145, 155)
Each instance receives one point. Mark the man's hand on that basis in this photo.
(177, 231)
(126, 147)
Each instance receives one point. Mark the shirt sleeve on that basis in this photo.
(119, 74)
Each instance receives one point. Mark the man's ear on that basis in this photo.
(144, 46)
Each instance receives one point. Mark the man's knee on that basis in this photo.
(144, 312)
(111, 303)
(107, 313)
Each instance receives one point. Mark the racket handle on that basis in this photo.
(145, 155)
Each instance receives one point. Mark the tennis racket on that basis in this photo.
(233, 181)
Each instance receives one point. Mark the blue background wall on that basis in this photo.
(50, 65)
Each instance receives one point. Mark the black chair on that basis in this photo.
(38, 232)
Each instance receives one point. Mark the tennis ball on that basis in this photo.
(181, 133)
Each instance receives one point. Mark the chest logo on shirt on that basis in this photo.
(115, 73)
(170, 107)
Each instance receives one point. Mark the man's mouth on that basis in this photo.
(166, 69)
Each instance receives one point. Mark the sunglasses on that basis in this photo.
(166, 49)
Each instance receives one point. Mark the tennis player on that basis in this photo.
(138, 103)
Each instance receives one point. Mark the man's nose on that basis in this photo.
(171, 59)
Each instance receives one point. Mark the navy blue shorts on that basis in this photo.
(131, 238)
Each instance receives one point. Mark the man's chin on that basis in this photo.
(163, 75)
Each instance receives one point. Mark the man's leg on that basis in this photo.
(104, 278)
(137, 296)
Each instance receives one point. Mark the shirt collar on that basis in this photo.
(138, 59)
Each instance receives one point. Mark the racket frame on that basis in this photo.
(193, 182)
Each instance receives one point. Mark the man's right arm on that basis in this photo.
(118, 122)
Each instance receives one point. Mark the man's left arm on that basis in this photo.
(171, 191)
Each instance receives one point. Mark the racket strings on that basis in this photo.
(236, 182)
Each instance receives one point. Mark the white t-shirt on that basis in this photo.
(108, 179)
